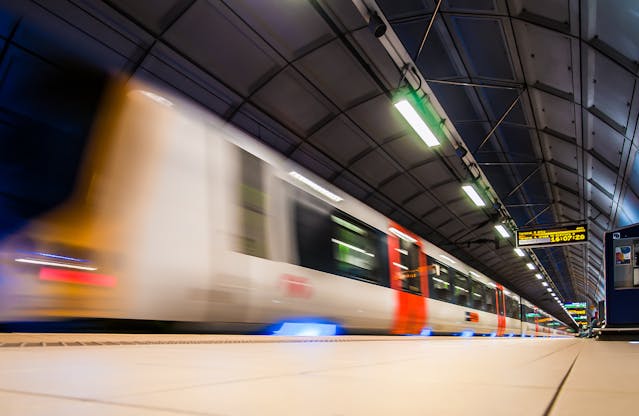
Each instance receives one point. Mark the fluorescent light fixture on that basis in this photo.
(472, 193)
(402, 235)
(502, 230)
(352, 247)
(315, 187)
(401, 266)
(57, 264)
(447, 258)
(416, 122)
(530, 266)
(520, 252)
(539, 276)
(544, 283)
(472, 273)
(549, 289)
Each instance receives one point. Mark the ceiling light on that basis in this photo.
(416, 122)
(539, 276)
(530, 266)
(502, 230)
(447, 258)
(315, 187)
(520, 252)
(549, 289)
(544, 283)
(472, 193)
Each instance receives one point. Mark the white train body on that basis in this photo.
(184, 218)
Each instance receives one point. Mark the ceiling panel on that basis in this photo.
(605, 141)
(378, 119)
(341, 138)
(537, 57)
(420, 205)
(560, 151)
(292, 30)
(409, 151)
(334, 70)
(155, 19)
(601, 175)
(612, 89)
(431, 173)
(375, 167)
(617, 26)
(295, 102)
(400, 189)
(231, 51)
(554, 113)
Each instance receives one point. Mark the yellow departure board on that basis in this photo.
(556, 236)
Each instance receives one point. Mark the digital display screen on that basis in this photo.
(542, 237)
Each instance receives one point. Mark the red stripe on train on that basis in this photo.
(81, 278)
(410, 309)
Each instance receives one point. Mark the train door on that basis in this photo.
(501, 310)
(407, 263)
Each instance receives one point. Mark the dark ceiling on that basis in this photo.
(308, 78)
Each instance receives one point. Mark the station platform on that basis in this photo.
(133, 374)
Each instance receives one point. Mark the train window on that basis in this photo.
(252, 201)
(478, 299)
(501, 306)
(461, 290)
(355, 248)
(313, 232)
(489, 296)
(531, 314)
(439, 281)
(409, 263)
(331, 241)
(512, 308)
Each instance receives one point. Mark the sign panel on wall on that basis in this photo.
(556, 236)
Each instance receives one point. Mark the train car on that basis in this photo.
(178, 216)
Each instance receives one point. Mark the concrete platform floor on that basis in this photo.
(131, 374)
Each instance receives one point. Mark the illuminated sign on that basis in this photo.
(542, 237)
(575, 305)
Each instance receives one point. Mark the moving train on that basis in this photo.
(179, 217)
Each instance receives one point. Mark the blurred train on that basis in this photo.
(180, 217)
